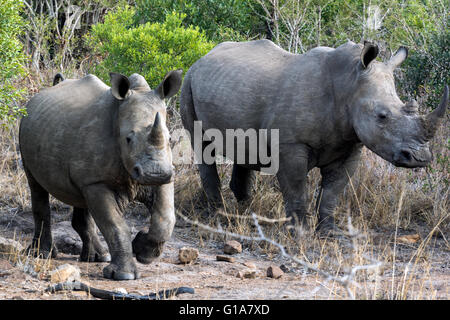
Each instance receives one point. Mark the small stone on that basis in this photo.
(247, 274)
(225, 258)
(187, 255)
(284, 268)
(250, 265)
(121, 290)
(232, 247)
(65, 273)
(274, 272)
(410, 238)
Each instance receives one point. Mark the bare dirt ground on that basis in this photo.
(214, 279)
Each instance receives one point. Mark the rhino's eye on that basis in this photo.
(382, 116)
(130, 137)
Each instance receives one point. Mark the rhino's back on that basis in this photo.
(65, 133)
(258, 85)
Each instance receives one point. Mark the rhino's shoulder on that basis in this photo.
(262, 45)
(93, 81)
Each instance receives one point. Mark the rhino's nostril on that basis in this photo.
(406, 155)
(137, 172)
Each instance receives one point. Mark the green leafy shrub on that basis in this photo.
(11, 59)
(427, 69)
(150, 49)
(221, 20)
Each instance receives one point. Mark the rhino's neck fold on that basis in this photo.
(342, 72)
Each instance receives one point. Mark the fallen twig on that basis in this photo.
(112, 295)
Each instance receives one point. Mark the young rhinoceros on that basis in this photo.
(326, 104)
(97, 148)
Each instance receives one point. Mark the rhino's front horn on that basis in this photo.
(156, 137)
(433, 119)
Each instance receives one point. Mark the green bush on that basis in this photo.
(221, 20)
(11, 59)
(150, 49)
(427, 70)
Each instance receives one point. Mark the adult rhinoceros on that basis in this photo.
(98, 148)
(326, 103)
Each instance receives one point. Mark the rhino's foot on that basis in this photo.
(328, 230)
(41, 251)
(218, 215)
(298, 231)
(146, 250)
(116, 271)
(95, 257)
(94, 253)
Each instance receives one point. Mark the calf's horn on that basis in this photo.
(156, 136)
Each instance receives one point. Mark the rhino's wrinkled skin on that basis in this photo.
(326, 103)
(97, 148)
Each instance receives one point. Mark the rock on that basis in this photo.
(285, 269)
(410, 238)
(65, 273)
(232, 247)
(250, 265)
(274, 272)
(9, 247)
(247, 274)
(225, 258)
(121, 290)
(66, 239)
(187, 255)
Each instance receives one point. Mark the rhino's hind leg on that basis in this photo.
(242, 180)
(107, 215)
(84, 225)
(42, 243)
(211, 185)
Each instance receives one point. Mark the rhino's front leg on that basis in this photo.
(148, 246)
(292, 176)
(106, 213)
(335, 177)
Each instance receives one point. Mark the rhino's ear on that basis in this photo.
(398, 58)
(170, 85)
(120, 85)
(368, 53)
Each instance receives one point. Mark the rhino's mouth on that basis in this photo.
(412, 158)
(151, 178)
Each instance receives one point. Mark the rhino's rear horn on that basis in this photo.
(156, 136)
(411, 107)
(433, 119)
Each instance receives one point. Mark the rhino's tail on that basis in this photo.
(187, 109)
(58, 78)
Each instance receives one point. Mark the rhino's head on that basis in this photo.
(392, 129)
(141, 126)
